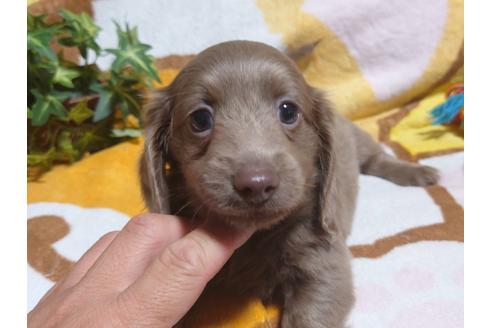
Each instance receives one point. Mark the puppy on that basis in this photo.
(239, 136)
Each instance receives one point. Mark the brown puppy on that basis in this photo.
(248, 142)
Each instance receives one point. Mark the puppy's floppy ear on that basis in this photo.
(323, 122)
(157, 122)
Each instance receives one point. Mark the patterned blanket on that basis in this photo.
(384, 64)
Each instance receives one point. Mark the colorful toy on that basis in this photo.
(452, 111)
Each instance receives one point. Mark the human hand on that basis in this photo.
(147, 275)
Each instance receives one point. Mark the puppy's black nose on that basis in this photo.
(256, 182)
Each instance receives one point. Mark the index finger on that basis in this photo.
(133, 249)
(175, 280)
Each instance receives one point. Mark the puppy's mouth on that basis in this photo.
(253, 196)
(260, 216)
(241, 212)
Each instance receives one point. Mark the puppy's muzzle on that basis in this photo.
(256, 182)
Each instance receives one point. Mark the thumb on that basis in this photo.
(177, 277)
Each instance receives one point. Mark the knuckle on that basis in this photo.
(187, 256)
(142, 225)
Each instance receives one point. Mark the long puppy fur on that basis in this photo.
(298, 256)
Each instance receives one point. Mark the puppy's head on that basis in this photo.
(249, 139)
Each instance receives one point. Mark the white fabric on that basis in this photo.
(392, 40)
(182, 27)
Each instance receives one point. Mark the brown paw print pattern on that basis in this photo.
(42, 232)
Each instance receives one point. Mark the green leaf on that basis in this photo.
(126, 98)
(64, 76)
(45, 106)
(85, 140)
(35, 22)
(136, 57)
(61, 134)
(44, 159)
(49, 66)
(133, 53)
(125, 110)
(64, 95)
(104, 104)
(80, 112)
(66, 151)
(123, 133)
(40, 111)
(82, 30)
(38, 41)
(88, 25)
(94, 138)
(80, 23)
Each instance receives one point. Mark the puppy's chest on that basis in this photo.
(269, 261)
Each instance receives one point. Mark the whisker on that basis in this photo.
(183, 207)
(196, 212)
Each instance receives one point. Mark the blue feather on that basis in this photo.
(445, 113)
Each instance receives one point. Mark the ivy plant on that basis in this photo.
(76, 109)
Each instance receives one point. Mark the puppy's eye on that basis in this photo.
(288, 113)
(201, 121)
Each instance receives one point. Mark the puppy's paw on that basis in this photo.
(420, 175)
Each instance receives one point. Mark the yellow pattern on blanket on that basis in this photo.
(368, 58)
